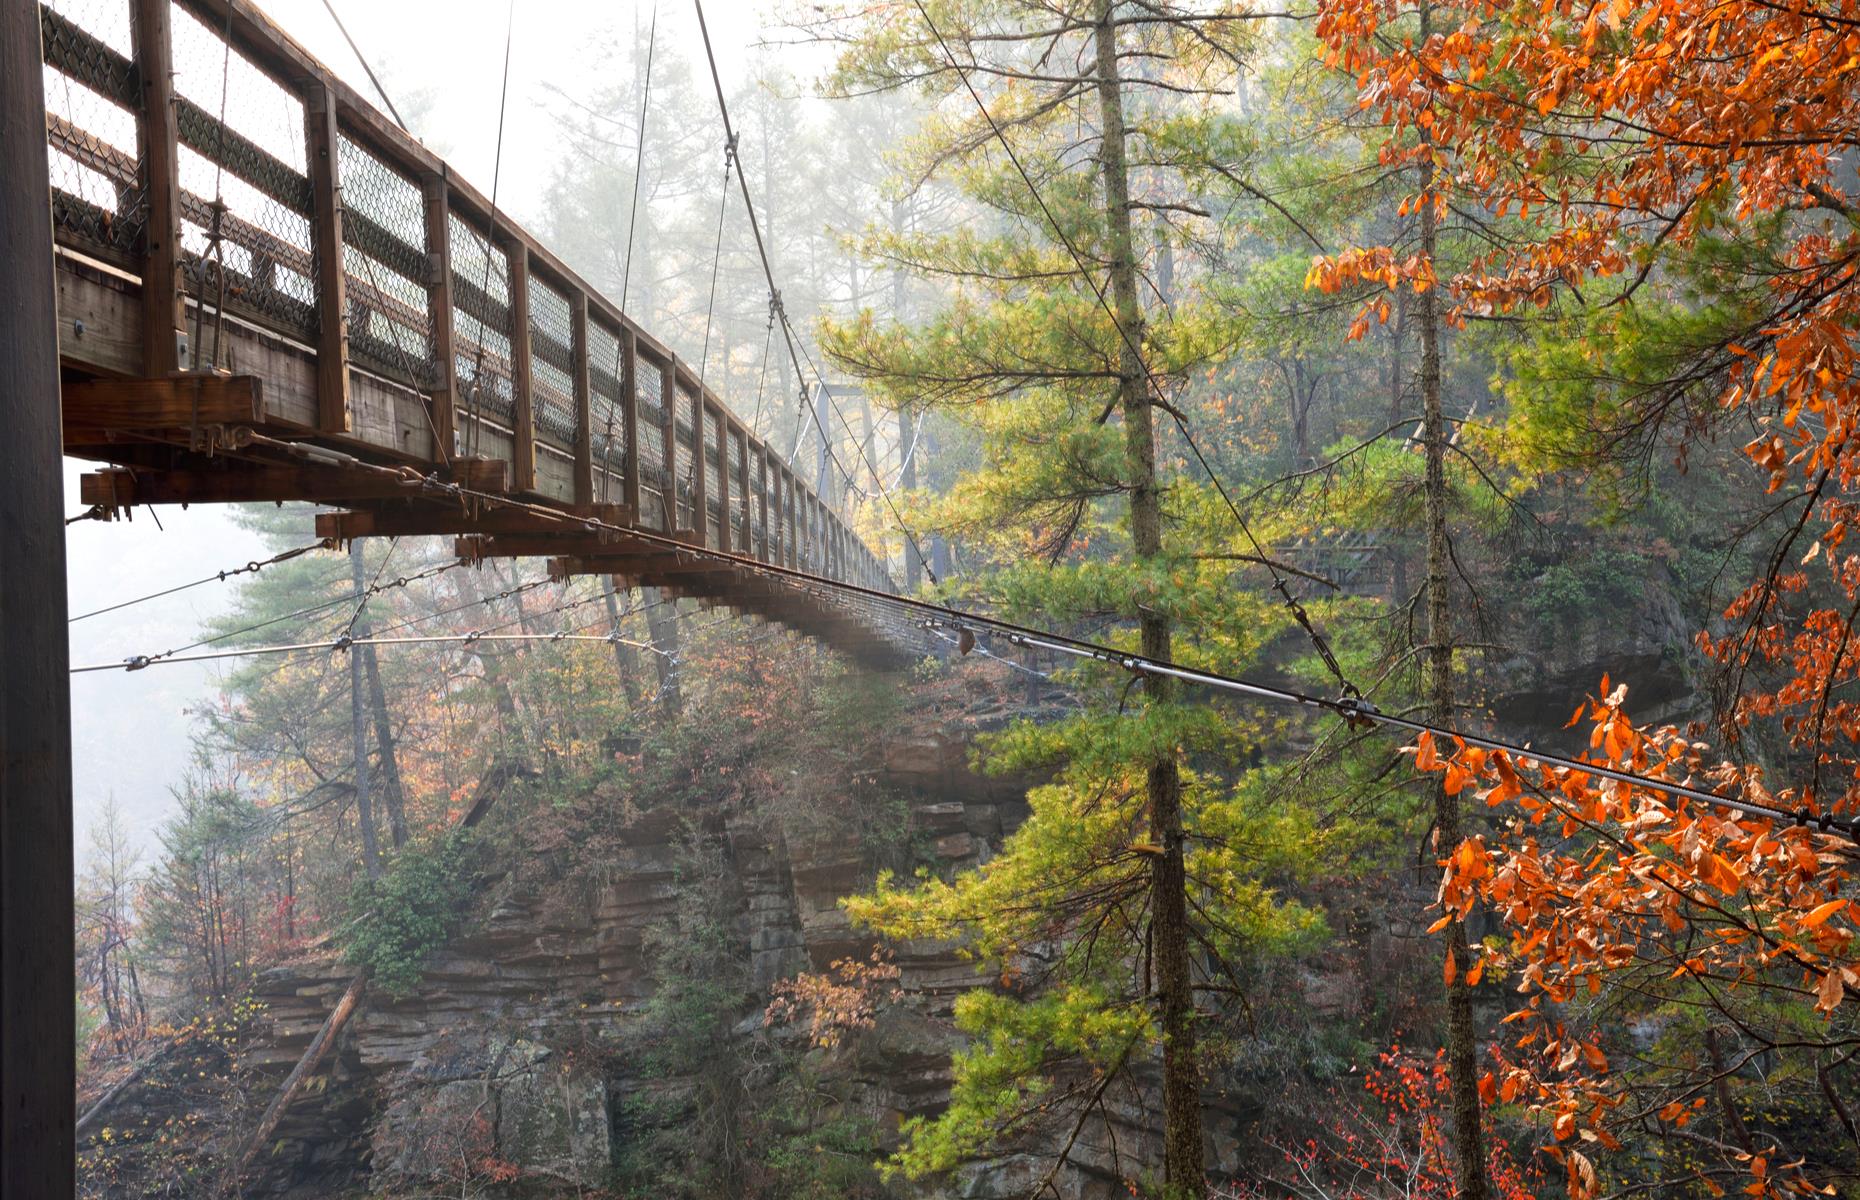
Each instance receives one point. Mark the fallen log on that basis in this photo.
(490, 786)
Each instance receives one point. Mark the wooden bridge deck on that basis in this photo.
(270, 292)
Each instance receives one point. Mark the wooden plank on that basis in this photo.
(584, 398)
(239, 485)
(629, 419)
(179, 402)
(439, 308)
(332, 344)
(163, 311)
(523, 451)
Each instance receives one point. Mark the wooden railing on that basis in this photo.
(281, 215)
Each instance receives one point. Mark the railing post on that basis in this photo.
(791, 536)
(700, 466)
(749, 526)
(629, 422)
(762, 503)
(724, 541)
(668, 441)
(523, 411)
(332, 305)
(164, 310)
(439, 305)
(584, 397)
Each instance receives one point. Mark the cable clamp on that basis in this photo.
(473, 636)
(344, 642)
(1357, 712)
(136, 663)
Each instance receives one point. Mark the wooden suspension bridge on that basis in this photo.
(269, 291)
(249, 285)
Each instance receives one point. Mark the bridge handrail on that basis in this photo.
(739, 496)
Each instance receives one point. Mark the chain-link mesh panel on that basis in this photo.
(384, 260)
(739, 489)
(552, 363)
(245, 190)
(651, 443)
(773, 534)
(98, 201)
(685, 464)
(607, 432)
(713, 474)
(481, 323)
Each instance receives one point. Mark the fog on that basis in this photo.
(441, 66)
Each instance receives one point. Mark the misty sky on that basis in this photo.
(130, 731)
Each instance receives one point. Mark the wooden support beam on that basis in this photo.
(723, 481)
(523, 443)
(584, 397)
(93, 407)
(440, 313)
(164, 311)
(332, 306)
(762, 500)
(668, 404)
(240, 484)
(629, 420)
(428, 520)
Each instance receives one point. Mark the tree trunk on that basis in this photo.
(1462, 1057)
(1183, 1153)
(392, 795)
(626, 659)
(662, 627)
(358, 722)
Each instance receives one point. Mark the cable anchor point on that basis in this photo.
(1357, 712)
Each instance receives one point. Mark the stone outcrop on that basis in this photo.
(494, 1066)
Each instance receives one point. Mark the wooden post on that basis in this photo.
(164, 310)
(629, 421)
(668, 441)
(332, 306)
(439, 306)
(772, 523)
(700, 466)
(742, 466)
(764, 552)
(723, 482)
(523, 418)
(37, 1023)
(795, 509)
(584, 398)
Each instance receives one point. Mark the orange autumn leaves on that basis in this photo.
(1601, 882)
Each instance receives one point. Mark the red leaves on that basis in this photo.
(1765, 904)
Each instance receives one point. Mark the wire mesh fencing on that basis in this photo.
(99, 201)
(552, 364)
(246, 205)
(684, 464)
(652, 490)
(607, 428)
(385, 266)
(481, 323)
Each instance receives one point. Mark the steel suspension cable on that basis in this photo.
(1293, 605)
(1353, 709)
(251, 568)
(768, 271)
(632, 223)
